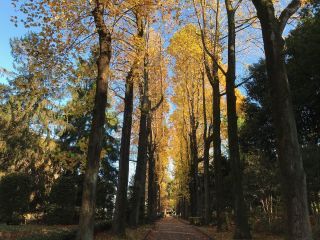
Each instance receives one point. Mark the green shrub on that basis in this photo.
(102, 226)
(15, 191)
(62, 199)
(66, 235)
(56, 214)
(276, 226)
(63, 192)
(316, 232)
(15, 219)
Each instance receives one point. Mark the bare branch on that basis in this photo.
(202, 31)
(115, 92)
(237, 5)
(157, 105)
(292, 7)
(237, 85)
(242, 26)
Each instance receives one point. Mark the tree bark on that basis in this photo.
(207, 212)
(215, 83)
(86, 223)
(206, 149)
(242, 230)
(193, 169)
(141, 168)
(193, 144)
(288, 148)
(213, 77)
(217, 147)
(216, 111)
(119, 220)
(152, 188)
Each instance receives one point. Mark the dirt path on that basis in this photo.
(172, 229)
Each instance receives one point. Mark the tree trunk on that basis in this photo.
(151, 178)
(206, 149)
(288, 148)
(193, 184)
(141, 168)
(193, 170)
(140, 176)
(159, 197)
(242, 230)
(215, 83)
(207, 212)
(86, 224)
(119, 220)
(213, 77)
(217, 147)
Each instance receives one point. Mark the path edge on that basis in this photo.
(195, 228)
(150, 231)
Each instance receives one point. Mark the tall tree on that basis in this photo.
(288, 148)
(206, 149)
(87, 213)
(193, 185)
(158, 134)
(242, 230)
(29, 108)
(216, 111)
(119, 220)
(73, 140)
(71, 27)
(138, 197)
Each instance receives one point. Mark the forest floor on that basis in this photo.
(165, 229)
(58, 232)
(176, 229)
(33, 231)
(228, 235)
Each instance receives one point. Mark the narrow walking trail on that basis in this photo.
(172, 229)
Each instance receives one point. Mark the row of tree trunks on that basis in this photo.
(288, 148)
(242, 230)
(138, 198)
(216, 138)
(119, 219)
(97, 133)
(293, 176)
(213, 77)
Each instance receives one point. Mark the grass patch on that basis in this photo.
(35, 232)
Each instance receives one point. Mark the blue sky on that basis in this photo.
(7, 31)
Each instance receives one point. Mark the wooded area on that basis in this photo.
(117, 112)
